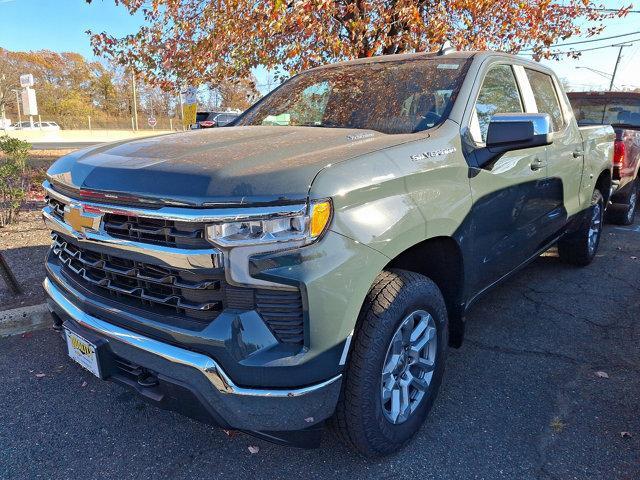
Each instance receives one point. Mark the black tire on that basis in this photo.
(359, 420)
(624, 213)
(575, 247)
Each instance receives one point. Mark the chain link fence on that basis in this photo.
(106, 122)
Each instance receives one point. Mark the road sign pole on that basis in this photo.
(18, 105)
(135, 101)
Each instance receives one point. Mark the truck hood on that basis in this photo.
(240, 165)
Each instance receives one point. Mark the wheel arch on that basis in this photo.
(440, 259)
(603, 183)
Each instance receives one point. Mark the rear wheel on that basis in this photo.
(580, 247)
(396, 364)
(624, 213)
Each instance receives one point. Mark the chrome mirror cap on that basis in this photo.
(541, 121)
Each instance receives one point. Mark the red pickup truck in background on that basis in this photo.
(622, 111)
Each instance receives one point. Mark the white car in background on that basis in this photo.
(47, 126)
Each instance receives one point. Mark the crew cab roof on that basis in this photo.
(465, 54)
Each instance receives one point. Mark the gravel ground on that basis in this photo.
(25, 243)
(544, 387)
(24, 246)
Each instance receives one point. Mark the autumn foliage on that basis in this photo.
(195, 41)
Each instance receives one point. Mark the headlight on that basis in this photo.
(288, 228)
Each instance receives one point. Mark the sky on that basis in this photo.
(60, 25)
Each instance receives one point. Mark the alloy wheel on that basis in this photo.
(408, 366)
(595, 227)
(633, 201)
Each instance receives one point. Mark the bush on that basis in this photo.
(14, 178)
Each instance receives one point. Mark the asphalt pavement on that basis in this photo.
(546, 386)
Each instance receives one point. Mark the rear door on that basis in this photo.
(508, 220)
(565, 157)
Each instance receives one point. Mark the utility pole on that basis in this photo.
(4, 117)
(615, 69)
(181, 108)
(135, 101)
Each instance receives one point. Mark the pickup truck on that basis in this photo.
(314, 261)
(622, 111)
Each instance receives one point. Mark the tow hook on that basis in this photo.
(147, 379)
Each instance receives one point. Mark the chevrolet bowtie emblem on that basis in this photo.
(79, 220)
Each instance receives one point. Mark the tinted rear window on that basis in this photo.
(606, 110)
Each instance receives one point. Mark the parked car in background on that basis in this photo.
(49, 126)
(22, 126)
(315, 260)
(622, 111)
(214, 119)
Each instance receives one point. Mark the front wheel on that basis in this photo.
(580, 247)
(396, 365)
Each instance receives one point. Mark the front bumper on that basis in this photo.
(194, 384)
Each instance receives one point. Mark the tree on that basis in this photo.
(199, 41)
(105, 94)
(9, 80)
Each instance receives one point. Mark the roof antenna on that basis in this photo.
(446, 48)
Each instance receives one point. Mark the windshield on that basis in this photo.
(606, 110)
(390, 97)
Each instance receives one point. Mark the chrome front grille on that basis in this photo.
(181, 292)
(169, 233)
(57, 207)
(157, 231)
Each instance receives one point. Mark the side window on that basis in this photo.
(499, 94)
(546, 97)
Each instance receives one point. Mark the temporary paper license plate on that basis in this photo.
(83, 352)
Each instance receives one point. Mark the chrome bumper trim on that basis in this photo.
(205, 365)
(187, 259)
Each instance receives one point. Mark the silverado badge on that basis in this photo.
(80, 220)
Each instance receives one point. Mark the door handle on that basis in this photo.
(537, 164)
(578, 153)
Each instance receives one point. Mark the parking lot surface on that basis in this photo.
(547, 385)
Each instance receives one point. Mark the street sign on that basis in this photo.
(152, 121)
(189, 101)
(26, 80)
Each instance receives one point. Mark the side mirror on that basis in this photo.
(514, 131)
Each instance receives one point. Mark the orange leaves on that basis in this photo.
(209, 40)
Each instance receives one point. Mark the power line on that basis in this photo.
(587, 49)
(587, 41)
(612, 10)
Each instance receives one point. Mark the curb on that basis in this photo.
(24, 319)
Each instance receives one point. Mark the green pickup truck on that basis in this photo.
(312, 262)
